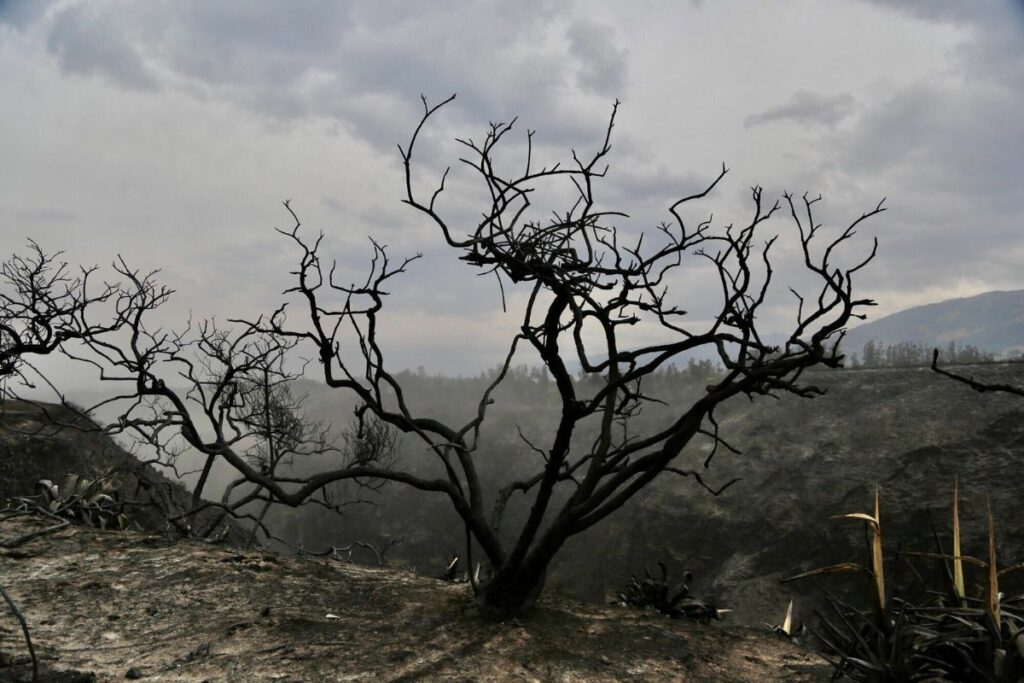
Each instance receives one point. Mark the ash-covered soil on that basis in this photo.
(123, 605)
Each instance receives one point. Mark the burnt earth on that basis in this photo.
(124, 605)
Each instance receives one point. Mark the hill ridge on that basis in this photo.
(991, 321)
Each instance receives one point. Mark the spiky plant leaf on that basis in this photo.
(992, 585)
(48, 488)
(834, 569)
(70, 486)
(876, 559)
(1016, 639)
(958, 565)
(787, 623)
(1013, 568)
(873, 521)
(943, 556)
(100, 499)
(954, 637)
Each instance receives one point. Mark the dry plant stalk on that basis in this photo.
(992, 585)
(958, 564)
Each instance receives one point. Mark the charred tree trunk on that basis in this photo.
(516, 585)
(513, 590)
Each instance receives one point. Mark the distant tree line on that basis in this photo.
(914, 354)
(698, 370)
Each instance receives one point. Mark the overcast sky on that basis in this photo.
(170, 131)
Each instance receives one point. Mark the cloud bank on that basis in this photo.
(169, 131)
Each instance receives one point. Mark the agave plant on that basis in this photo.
(875, 644)
(982, 638)
(954, 637)
(655, 593)
(875, 569)
(87, 501)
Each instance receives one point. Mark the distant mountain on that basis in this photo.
(993, 321)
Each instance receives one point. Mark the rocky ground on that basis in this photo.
(112, 605)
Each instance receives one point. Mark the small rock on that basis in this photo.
(605, 660)
(239, 626)
(134, 673)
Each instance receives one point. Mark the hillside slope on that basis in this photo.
(908, 431)
(801, 462)
(46, 441)
(110, 602)
(34, 447)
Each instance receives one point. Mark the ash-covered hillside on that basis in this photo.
(43, 441)
(801, 462)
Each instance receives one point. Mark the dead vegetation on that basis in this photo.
(951, 636)
(114, 602)
(655, 593)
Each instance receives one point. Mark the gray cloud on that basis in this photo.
(38, 214)
(995, 51)
(361, 64)
(807, 108)
(948, 143)
(604, 65)
(948, 157)
(948, 10)
(185, 122)
(22, 13)
(87, 40)
(261, 43)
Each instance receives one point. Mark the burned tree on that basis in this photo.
(584, 283)
(44, 304)
(193, 391)
(209, 394)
